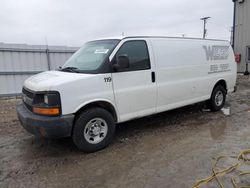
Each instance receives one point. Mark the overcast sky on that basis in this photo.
(73, 22)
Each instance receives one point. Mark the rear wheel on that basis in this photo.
(218, 98)
(93, 130)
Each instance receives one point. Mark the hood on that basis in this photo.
(48, 80)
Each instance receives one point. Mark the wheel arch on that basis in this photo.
(221, 82)
(101, 103)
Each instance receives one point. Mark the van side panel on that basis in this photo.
(187, 70)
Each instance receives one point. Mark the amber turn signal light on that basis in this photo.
(46, 111)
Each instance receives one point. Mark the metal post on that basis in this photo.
(234, 19)
(246, 71)
(48, 58)
(204, 28)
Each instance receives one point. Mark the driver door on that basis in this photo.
(135, 88)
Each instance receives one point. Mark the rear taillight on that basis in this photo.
(237, 58)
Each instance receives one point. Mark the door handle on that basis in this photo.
(153, 76)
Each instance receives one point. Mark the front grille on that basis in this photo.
(28, 97)
(28, 93)
(28, 106)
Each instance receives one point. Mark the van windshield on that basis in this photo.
(90, 56)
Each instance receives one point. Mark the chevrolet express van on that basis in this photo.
(110, 81)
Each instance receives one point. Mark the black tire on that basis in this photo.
(213, 103)
(83, 120)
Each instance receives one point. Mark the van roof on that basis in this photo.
(127, 37)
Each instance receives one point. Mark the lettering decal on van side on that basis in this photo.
(217, 68)
(108, 79)
(216, 52)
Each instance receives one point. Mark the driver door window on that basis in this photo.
(137, 53)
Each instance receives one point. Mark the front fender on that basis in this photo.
(89, 102)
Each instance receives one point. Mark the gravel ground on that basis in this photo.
(171, 149)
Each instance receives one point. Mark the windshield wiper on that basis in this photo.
(69, 69)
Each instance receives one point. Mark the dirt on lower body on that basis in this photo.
(171, 149)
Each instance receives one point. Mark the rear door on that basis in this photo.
(135, 88)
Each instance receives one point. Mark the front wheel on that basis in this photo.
(93, 130)
(218, 98)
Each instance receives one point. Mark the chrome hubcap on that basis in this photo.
(95, 130)
(219, 98)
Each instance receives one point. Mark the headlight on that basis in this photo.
(46, 99)
(51, 99)
(47, 111)
(47, 103)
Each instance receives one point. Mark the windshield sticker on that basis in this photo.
(101, 51)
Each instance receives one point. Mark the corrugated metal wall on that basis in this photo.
(242, 32)
(19, 61)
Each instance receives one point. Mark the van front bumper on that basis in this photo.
(44, 126)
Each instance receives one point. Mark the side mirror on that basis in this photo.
(122, 63)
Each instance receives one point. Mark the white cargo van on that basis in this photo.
(115, 80)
